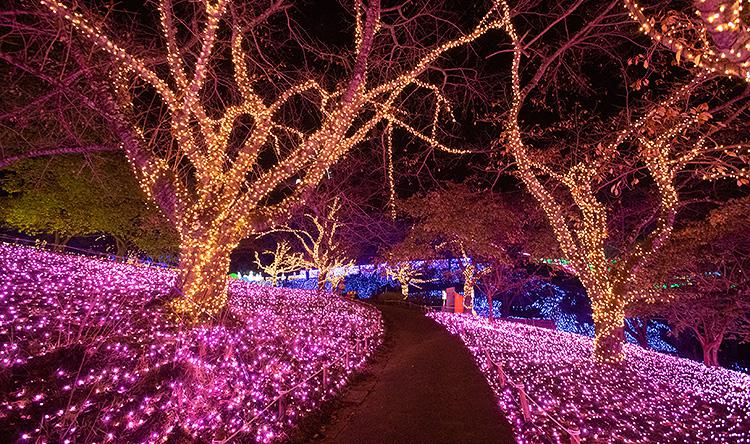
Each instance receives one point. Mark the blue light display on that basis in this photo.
(482, 307)
(367, 284)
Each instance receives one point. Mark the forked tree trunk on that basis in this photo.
(711, 353)
(609, 329)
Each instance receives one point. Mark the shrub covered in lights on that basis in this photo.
(651, 398)
(367, 284)
(88, 354)
(482, 307)
(572, 313)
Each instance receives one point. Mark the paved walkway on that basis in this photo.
(423, 388)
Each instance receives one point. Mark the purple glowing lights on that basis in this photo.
(87, 355)
(652, 398)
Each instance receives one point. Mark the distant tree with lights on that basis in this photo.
(473, 227)
(321, 242)
(283, 261)
(406, 262)
(218, 184)
(572, 176)
(406, 274)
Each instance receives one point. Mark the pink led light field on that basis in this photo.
(651, 398)
(90, 354)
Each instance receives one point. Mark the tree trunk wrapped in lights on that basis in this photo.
(664, 141)
(216, 193)
(472, 275)
(203, 265)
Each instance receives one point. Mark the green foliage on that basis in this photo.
(70, 196)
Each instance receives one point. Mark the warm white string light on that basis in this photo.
(611, 284)
(225, 206)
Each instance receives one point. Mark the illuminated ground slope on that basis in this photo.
(653, 398)
(87, 353)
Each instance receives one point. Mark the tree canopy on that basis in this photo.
(69, 196)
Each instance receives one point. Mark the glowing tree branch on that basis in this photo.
(611, 281)
(216, 193)
(406, 274)
(283, 261)
(718, 40)
(322, 248)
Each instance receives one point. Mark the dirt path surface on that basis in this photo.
(422, 388)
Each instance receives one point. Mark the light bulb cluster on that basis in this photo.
(93, 356)
(718, 43)
(653, 398)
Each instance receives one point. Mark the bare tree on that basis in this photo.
(509, 283)
(711, 318)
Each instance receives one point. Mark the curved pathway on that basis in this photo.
(422, 388)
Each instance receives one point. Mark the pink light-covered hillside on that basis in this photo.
(89, 354)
